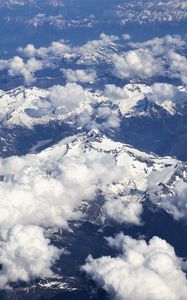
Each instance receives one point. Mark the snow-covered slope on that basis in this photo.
(141, 99)
(69, 175)
(28, 106)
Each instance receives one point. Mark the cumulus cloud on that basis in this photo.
(70, 102)
(160, 46)
(100, 117)
(136, 64)
(108, 117)
(162, 92)
(142, 271)
(42, 191)
(54, 187)
(58, 48)
(178, 66)
(126, 37)
(67, 98)
(157, 56)
(17, 67)
(29, 50)
(51, 188)
(124, 211)
(114, 92)
(25, 255)
(79, 75)
(166, 49)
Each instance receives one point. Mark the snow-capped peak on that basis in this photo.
(28, 106)
(125, 175)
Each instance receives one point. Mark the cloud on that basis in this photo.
(17, 67)
(79, 75)
(100, 117)
(142, 271)
(173, 200)
(68, 97)
(52, 188)
(97, 51)
(166, 49)
(178, 66)
(136, 64)
(58, 49)
(144, 60)
(29, 50)
(126, 37)
(93, 46)
(113, 92)
(124, 211)
(126, 98)
(54, 183)
(25, 255)
(160, 46)
(46, 190)
(162, 92)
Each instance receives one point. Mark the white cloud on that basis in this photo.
(42, 191)
(54, 183)
(113, 92)
(17, 67)
(162, 92)
(145, 60)
(124, 211)
(58, 48)
(67, 98)
(160, 46)
(136, 64)
(166, 95)
(143, 271)
(110, 117)
(29, 50)
(26, 254)
(126, 37)
(79, 75)
(3, 64)
(51, 188)
(178, 66)
(101, 117)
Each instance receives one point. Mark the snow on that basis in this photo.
(29, 106)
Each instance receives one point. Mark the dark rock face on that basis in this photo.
(161, 134)
(20, 140)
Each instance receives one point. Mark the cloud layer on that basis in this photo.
(52, 188)
(142, 271)
(118, 55)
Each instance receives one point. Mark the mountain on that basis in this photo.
(142, 117)
(93, 160)
(134, 175)
(65, 18)
(119, 188)
(29, 106)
